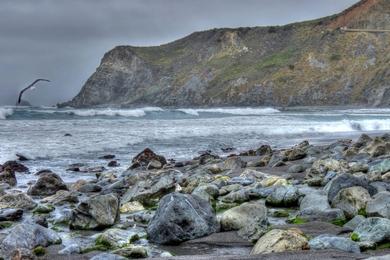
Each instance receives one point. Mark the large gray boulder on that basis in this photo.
(374, 230)
(180, 217)
(27, 236)
(344, 181)
(250, 219)
(315, 207)
(379, 206)
(17, 200)
(47, 184)
(326, 241)
(96, 212)
(283, 196)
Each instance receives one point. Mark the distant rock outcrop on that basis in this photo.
(307, 63)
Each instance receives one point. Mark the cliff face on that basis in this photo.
(309, 63)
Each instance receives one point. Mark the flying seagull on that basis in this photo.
(30, 86)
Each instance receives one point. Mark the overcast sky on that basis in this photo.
(64, 40)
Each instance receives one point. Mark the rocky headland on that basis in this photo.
(313, 63)
(304, 202)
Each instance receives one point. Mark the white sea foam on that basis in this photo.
(232, 111)
(5, 112)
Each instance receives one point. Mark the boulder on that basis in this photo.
(250, 219)
(326, 241)
(47, 184)
(15, 166)
(294, 154)
(8, 176)
(315, 207)
(10, 214)
(207, 192)
(16, 200)
(132, 252)
(353, 223)
(373, 230)
(278, 240)
(382, 166)
(146, 157)
(61, 197)
(379, 206)
(28, 236)
(351, 200)
(345, 181)
(96, 212)
(283, 196)
(238, 196)
(180, 217)
(116, 238)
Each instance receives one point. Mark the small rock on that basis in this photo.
(108, 256)
(325, 241)
(278, 240)
(113, 164)
(107, 157)
(11, 214)
(145, 157)
(131, 207)
(283, 196)
(22, 157)
(15, 166)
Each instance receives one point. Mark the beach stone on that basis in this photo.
(294, 154)
(132, 252)
(96, 212)
(28, 236)
(131, 207)
(238, 196)
(47, 184)
(353, 223)
(207, 192)
(373, 229)
(10, 214)
(326, 241)
(61, 197)
(115, 237)
(15, 166)
(250, 219)
(144, 158)
(8, 176)
(89, 187)
(180, 217)
(315, 207)
(283, 196)
(16, 200)
(379, 206)
(351, 200)
(233, 163)
(296, 168)
(264, 150)
(274, 181)
(381, 166)
(344, 181)
(113, 163)
(149, 191)
(108, 256)
(278, 240)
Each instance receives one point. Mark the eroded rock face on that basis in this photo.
(28, 236)
(250, 219)
(96, 212)
(278, 240)
(180, 217)
(47, 184)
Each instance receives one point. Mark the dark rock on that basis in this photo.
(41, 220)
(15, 166)
(113, 164)
(22, 157)
(96, 212)
(10, 214)
(8, 176)
(145, 157)
(47, 184)
(67, 135)
(263, 150)
(89, 187)
(181, 217)
(107, 157)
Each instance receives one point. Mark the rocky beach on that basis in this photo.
(306, 201)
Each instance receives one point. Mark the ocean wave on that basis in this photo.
(5, 112)
(137, 112)
(233, 111)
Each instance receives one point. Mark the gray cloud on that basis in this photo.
(64, 40)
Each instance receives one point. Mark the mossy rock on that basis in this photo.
(339, 222)
(297, 220)
(355, 237)
(43, 209)
(39, 251)
(281, 213)
(6, 224)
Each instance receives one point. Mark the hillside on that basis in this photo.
(308, 63)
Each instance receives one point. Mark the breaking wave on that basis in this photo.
(233, 111)
(5, 112)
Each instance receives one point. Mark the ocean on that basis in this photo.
(180, 134)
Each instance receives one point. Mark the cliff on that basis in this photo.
(308, 63)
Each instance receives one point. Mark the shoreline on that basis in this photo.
(319, 189)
